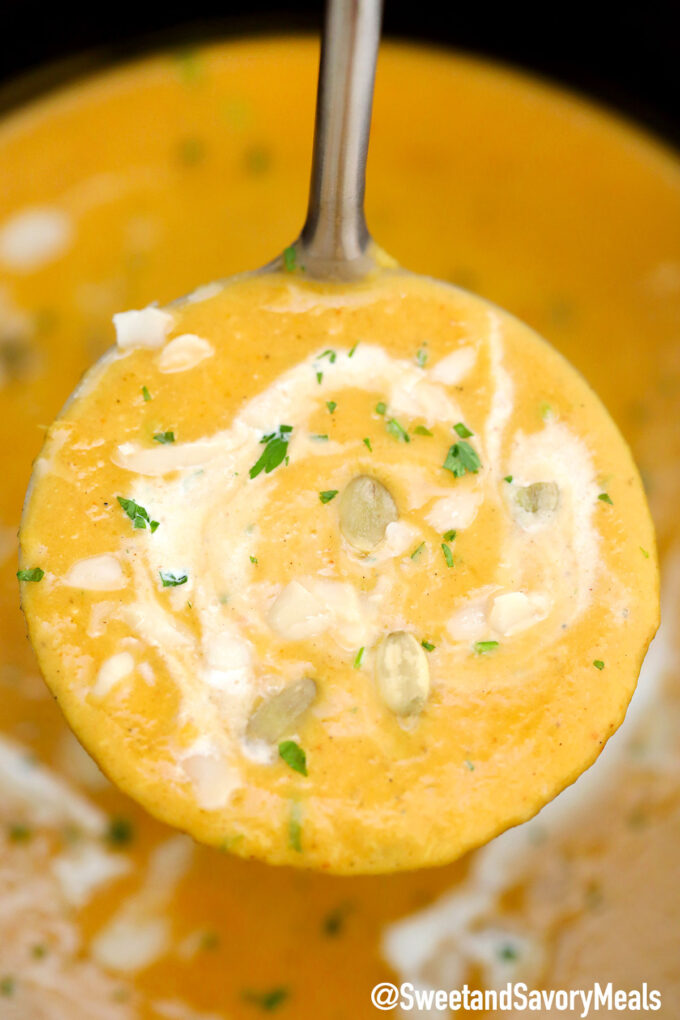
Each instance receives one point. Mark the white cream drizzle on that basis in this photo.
(209, 507)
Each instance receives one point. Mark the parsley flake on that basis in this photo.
(428, 646)
(508, 478)
(31, 574)
(319, 377)
(328, 494)
(449, 536)
(367, 443)
(462, 458)
(644, 553)
(469, 765)
(606, 498)
(19, 833)
(146, 394)
(137, 514)
(319, 437)
(598, 664)
(330, 354)
(421, 357)
(290, 258)
(172, 579)
(253, 559)
(462, 430)
(352, 350)
(7, 986)
(275, 450)
(482, 647)
(120, 832)
(421, 430)
(164, 437)
(294, 756)
(295, 827)
(358, 658)
(397, 431)
(380, 407)
(417, 551)
(448, 555)
(269, 1000)
(331, 405)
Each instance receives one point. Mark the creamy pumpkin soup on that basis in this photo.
(558, 211)
(348, 576)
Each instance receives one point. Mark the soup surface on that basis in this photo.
(415, 563)
(557, 212)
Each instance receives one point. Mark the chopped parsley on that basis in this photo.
(164, 437)
(508, 478)
(331, 405)
(7, 986)
(358, 658)
(172, 579)
(334, 921)
(606, 498)
(191, 151)
(137, 514)
(319, 377)
(367, 443)
(290, 258)
(275, 450)
(462, 430)
(421, 430)
(644, 553)
(328, 494)
(448, 555)
(380, 407)
(482, 647)
(598, 664)
(397, 431)
(31, 574)
(449, 536)
(428, 646)
(319, 437)
(146, 394)
(460, 459)
(421, 357)
(253, 559)
(120, 832)
(469, 765)
(508, 953)
(269, 1000)
(330, 354)
(210, 940)
(417, 551)
(352, 350)
(295, 827)
(294, 756)
(257, 159)
(19, 833)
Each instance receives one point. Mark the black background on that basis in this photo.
(625, 54)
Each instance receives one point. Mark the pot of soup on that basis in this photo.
(139, 182)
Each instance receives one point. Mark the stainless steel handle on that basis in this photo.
(335, 241)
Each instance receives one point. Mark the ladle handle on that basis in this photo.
(335, 240)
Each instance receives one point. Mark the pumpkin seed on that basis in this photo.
(278, 713)
(539, 498)
(366, 508)
(402, 673)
